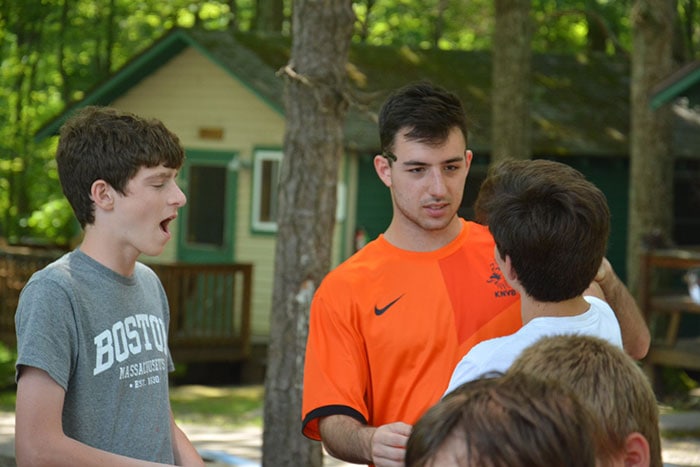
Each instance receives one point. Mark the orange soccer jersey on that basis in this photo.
(388, 327)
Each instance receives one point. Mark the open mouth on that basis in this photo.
(165, 223)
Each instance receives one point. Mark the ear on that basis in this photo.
(636, 450)
(468, 156)
(508, 270)
(383, 169)
(102, 195)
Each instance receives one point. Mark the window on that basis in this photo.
(266, 168)
(266, 172)
(207, 205)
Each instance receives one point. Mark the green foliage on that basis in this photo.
(53, 53)
(8, 356)
(53, 223)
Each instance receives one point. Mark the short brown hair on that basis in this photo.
(605, 378)
(550, 220)
(507, 421)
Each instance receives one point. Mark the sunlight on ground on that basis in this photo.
(222, 405)
(195, 391)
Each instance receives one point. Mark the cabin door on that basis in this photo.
(207, 221)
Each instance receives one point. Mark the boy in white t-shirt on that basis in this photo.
(551, 228)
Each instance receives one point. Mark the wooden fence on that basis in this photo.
(210, 304)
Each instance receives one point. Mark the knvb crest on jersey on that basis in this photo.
(496, 278)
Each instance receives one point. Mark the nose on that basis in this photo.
(178, 198)
(438, 186)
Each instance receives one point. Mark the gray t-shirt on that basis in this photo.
(103, 338)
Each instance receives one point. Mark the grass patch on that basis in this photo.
(229, 406)
(680, 434)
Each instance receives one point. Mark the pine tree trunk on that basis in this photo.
(315, 111)
(651, 162)
(511, 124)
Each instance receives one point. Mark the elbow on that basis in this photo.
(329, 449)
(31, 456)
(32, 450)
(640, 347)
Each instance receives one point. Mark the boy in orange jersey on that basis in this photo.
(388, 326)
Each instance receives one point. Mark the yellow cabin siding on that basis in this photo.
(191, 92)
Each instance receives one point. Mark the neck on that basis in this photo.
(530, 308)
(415, 238)
(96, 245)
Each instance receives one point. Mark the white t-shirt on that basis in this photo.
(497, 355)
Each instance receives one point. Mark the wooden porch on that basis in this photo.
(210, 304)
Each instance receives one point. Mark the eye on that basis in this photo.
(416, 170)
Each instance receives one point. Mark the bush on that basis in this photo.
(53, 223)
(8, 356)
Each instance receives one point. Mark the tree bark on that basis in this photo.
(315, 112)
(651, 161)
(511, 124)
(269, 15)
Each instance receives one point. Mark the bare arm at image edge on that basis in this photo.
(183, 450)
(39, 437)
(349, 440)
(635, 333)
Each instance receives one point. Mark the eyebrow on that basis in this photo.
(162, 175)
(423, 164)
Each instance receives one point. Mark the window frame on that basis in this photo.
(260, 156)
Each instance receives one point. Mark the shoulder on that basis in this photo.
(147, 277)
(143, 271)
(599, 306)
(485, 357)
(476, 232)
(56, 272)
(476, 238)
(372, 257)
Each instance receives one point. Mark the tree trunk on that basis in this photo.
(651, 162)
(110, 40)
(439, 24)
(61, 47)
(269, 15)
(510, 135)
(313, 146)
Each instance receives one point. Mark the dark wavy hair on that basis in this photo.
(102, 143)
(425, 111)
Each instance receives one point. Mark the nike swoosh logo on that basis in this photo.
(380, 311)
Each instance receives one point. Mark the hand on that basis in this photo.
(388, 444)
(603, 271)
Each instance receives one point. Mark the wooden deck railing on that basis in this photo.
(209, 310)
(16, 267)
(210, 304)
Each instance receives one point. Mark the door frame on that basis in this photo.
(198, 253)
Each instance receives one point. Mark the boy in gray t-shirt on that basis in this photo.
(92, 342)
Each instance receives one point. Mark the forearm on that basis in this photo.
(183, 450)
(347, 439)
(39, 436)
(635, 333)
(61, 451)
